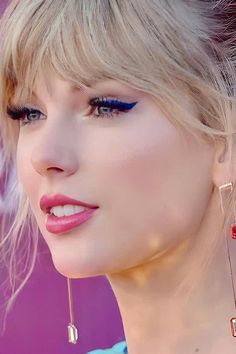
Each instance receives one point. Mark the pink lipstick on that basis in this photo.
(59, 224)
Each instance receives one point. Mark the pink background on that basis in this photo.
(38, 322)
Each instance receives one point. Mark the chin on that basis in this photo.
(76, 269)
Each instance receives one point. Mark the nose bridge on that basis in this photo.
(54, 147)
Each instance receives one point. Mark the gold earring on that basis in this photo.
(72, 330)
(222, 189)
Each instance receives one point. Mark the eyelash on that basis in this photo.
(20, 113)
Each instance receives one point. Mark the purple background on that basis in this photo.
(38, 322)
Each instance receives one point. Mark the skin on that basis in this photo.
(156, 188)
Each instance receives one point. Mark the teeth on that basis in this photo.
(65, 210)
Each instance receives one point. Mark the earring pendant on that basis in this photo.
(233, 231)
(233, 326)
(72, 333)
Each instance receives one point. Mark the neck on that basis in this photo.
(180, 302)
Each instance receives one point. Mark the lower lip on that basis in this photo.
(57, 225)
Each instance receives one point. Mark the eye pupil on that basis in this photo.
(104, 109)
(33, 116)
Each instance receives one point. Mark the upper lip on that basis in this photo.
(47, 202)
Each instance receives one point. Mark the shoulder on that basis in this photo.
(118, 348)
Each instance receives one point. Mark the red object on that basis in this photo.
(62, 224)
(233, 326)
(233, 231)
(47, 202)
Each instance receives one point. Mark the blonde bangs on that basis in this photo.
(84, 42)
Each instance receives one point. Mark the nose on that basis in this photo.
(54, 151)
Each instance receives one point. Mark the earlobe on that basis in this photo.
(223, 169)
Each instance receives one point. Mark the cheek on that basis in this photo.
(26, 175)
(22, 161)
(153, 187)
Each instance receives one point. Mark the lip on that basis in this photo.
(58, 225)
(47, 202)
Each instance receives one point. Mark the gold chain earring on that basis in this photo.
(72, 330)
(222, 189)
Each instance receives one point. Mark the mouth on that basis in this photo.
(55, 203)
(66, 210)
(65, 213)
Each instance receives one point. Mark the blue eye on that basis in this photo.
(24, 114)
(101, 108)
(107, 108)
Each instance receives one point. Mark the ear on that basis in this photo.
(223, 167)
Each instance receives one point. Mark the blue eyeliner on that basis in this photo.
(111, 103)
(22, 113)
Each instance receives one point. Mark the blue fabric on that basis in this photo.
(118, 348)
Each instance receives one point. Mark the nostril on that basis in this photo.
(55, 168)
(52, 161)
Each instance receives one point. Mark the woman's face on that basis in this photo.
(151, 182)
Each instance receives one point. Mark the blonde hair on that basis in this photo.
(162, 47)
